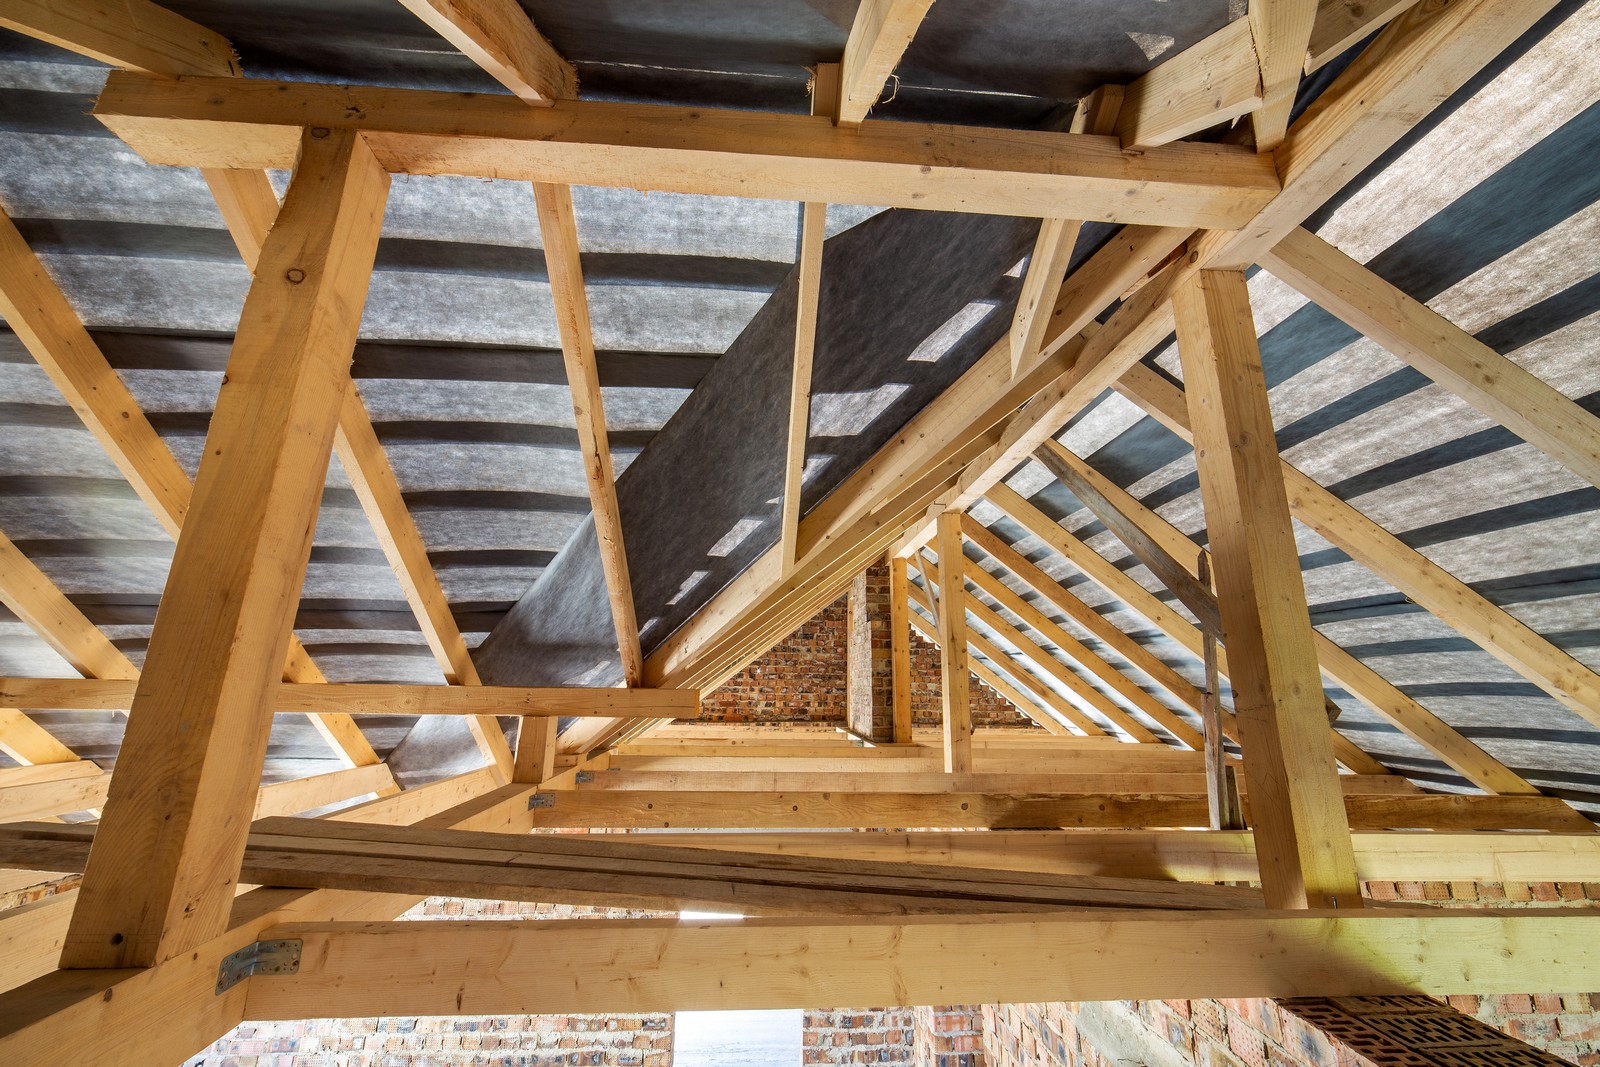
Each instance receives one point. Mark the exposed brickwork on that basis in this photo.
(950, 1036)
(858, 1035)
(806, 677)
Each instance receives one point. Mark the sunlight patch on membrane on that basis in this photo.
(734, 537)
(938, 344)
(688, 586)
(847, 414)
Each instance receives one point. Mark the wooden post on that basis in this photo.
(900, 645)
(161, 876)
(953, 647)
(536, 749)
(1302, 836)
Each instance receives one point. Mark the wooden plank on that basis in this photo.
(900, 648)
(559, 228)
(35, 600)
(1302, 836)
(382, 698)
(878, 38)
(536, 749)
(248, 123)
(499, 36)
(161, 880)
(1497, 386)
(808, 266)
(29, 743)
(1209, 83)
(954, 685)
(1421, 579)
(1028, 693)
(1205, 856)
(1414, 65)
(375, 485)
(664, 964)
(249, 204)
(1084, 780)
(1052, 253)
(1080, 653)
(134, 34)
(320, 790)
(1282, 30)
(1342, 24)
(51, 789)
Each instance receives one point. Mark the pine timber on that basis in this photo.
(135, 34)
(249, 123)
(1302, 835)
(900, 648)
(559, 229)
(878, 38)
(663, 965)
(50, 789)
(1448, 598)
(954, 685)
(38, 312)
(1203, 856)
(1080, 653)
(29, 743)
(160, 883)
(373, 480)
(1209, 83)
(1052, 253)
(1342, 24)
(1281, 30)
(1028, 693)
(382, 698)
(1495, 385)
(536, 749)
(498, 36)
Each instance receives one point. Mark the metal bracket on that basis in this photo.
(541, 800)
(260, 957)
(585, 777)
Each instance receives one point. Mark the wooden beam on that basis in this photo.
(712, 809)
(1282, 30)
(38, 312)
(1210, 83)
(1414, 65)
(1084, 780)
(1302, 836)
(29, 743)
(1497, 386)
(383, 698)
(900, 648)
(1342, 24)
(499, 36)
(536, 749)
(1205, 856)
(1080, 653)
(665, 965)
(51, 789)
(34, 599)
(813, 227)
(1029, 693)
(320, 790)
(375, 485)
(248, 123)
(161, 881)
(134, 34)
(1052, 254)
(559, 228)
(1425, 582)
(953, 676)
(878, 38)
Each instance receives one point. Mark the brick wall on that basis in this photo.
(858, 1035)
(950, 1035)
(805, 678)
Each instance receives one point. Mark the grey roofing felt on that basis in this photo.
(1487, 212)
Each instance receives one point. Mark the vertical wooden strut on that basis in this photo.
(160, 877)
(900, 647)
(1302, 836)
(952, 612)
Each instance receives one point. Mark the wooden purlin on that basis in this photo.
(500, 38)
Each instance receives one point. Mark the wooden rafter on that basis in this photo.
(134, 34)
(559, 227)
(880, 35)
(385, 698)
(1282, 31)
(1214, 81)
(161, 883)
(1302, 836)
(1342, 24)
(499, 36)
(238, 122)
(900, 648)
(1495, 385)
(1454, 602)
(954, 684)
